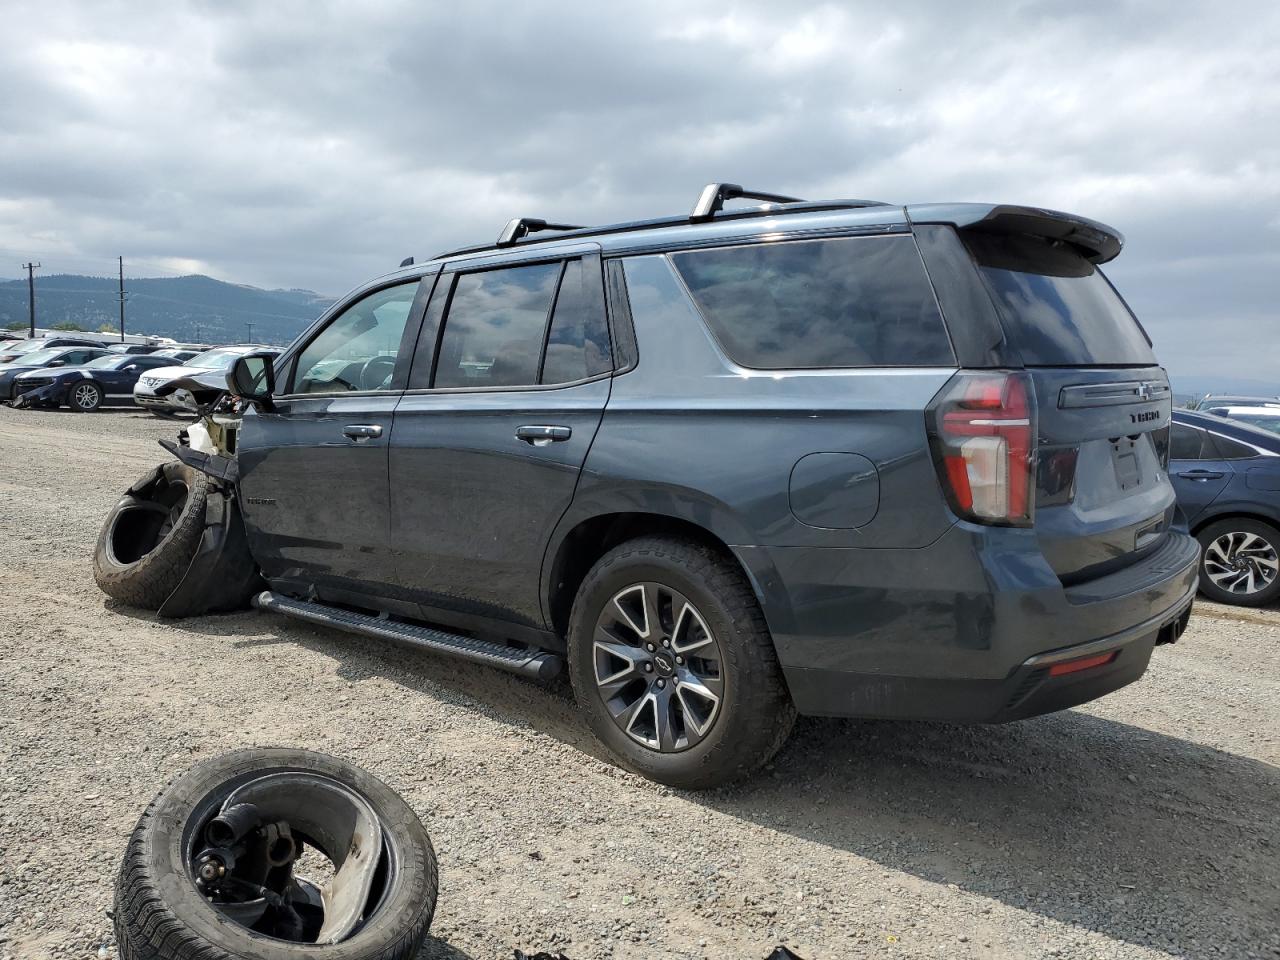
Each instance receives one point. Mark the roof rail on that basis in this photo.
(523, 226)
(714, 195)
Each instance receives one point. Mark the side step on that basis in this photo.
(529, 663)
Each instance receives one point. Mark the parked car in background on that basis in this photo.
(108, 379)
(10, 352)
(1265, 417)
(1210, 400)
(37, 359)
(1227, 477)
(209, 368)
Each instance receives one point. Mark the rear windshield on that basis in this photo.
(1057, 307)
(846, 302)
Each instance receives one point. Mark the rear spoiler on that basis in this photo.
(1098, 242)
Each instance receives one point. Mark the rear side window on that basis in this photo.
(1229, 449)
(1186, 443)
(845, 302)
(578, 342)
(1057, 307)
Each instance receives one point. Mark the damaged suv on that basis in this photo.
(835, 458)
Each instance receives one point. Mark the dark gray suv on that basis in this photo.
(837, 458)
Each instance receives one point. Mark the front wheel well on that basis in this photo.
(591, 539)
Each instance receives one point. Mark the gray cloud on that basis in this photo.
(316, 144)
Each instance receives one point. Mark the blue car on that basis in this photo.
(106, 379)
(1227, 478)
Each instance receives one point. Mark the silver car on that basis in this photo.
(209, 367)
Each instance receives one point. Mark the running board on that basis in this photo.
(529, 663)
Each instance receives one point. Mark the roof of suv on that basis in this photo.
(710, 223)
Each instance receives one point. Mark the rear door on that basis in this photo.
(508, 386)
(1198, 472)
(1103, 403)
(313, 468)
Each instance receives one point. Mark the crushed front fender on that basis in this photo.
(222, 575)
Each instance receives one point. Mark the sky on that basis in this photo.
(317, 144)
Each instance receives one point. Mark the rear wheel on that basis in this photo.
(84, 397)
(673, 665)
(1240, 562)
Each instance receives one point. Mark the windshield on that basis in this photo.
(1057, 307)
(22, 346)
(39, 358)
(213, 359)
(1262, 420)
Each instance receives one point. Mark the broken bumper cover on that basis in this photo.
(52, 394)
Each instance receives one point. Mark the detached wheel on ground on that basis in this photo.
(149, 538)
(673, 665)
(276, 855)
(84, 397)
(1240, 562)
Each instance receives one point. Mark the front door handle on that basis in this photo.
(539, 435)
(1202, 474)
(362, 431)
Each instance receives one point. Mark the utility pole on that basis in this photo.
(122, 298)
(31, 292)
(249, 324)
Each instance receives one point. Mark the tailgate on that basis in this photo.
(1103, 497)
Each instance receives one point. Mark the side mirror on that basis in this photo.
(55, 363)
(131, 366)
(251, 378)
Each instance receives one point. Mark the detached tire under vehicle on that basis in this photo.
(227, 863)
(150, 537)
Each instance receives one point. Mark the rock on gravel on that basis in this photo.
(1145, 825)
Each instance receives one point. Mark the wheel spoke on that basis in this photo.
(662, 720)
(690, 632)
(621, 603)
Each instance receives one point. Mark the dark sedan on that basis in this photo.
(105, 379)
(38, 359)
(1227, 477)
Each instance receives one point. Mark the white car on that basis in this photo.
(209, 368)
(1266, 417)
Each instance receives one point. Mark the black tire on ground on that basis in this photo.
(1242, 526)
(150, 536)
(161, 915)
(755, 713)
(84, 397)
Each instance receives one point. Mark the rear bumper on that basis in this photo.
(1028, 691)
(965, 629)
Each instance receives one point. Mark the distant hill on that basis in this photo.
(185, 308)
(1197, 386)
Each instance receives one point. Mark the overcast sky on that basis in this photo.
(315, 145)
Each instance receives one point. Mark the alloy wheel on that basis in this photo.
(1241, 563)
(658, 667)
(86, 396)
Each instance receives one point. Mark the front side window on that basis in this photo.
(358, 349)
(493, 334)
(846, 302)
(1229, 449)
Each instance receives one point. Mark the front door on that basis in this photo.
(491, 436)
(313, 469)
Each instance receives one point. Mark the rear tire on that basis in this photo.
(728, 650)
(149, 539)
(84, 397)
(1232, 551)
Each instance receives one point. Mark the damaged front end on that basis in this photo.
(222, 574)
(49, 395)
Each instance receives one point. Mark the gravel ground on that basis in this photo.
(1144, 825)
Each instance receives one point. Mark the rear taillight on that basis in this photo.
(982, 428)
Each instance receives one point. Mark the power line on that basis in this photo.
(31, 268)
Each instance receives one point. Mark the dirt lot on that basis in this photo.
(1145, 825)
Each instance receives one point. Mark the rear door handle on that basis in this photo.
(1202, 474)
(539, 435)
(362, 431)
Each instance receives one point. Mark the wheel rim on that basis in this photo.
(658, 667)
(86, 396)
(1241, 563)
(243, 844)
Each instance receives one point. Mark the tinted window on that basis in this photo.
(851, 302)
(357, 349)
(1186, 443)
(494, 331)
(578, 344)
(1057, 307)
(1229, 449)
